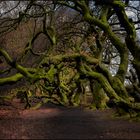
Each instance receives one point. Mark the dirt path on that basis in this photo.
(56, 122)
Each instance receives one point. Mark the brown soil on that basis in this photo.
(57, 122)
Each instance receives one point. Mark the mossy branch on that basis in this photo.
(11, 79)
(70, 58)
(121, 47)
(118, 101)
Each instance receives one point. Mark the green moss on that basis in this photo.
(99, 97)
(51, 73)
(92, 107)
(6, 98)
(64, 98)
(11, 79)
(119, 88)
(120, 113)
(54, 40)
(38, 105)
(76, 99)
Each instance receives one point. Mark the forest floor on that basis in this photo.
(57, 122)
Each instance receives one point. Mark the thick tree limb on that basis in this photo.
(11, 79)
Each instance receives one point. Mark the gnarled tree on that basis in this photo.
(87, 45)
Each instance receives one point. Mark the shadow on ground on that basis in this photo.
(57, 122)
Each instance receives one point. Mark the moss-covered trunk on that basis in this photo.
(99, 96)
